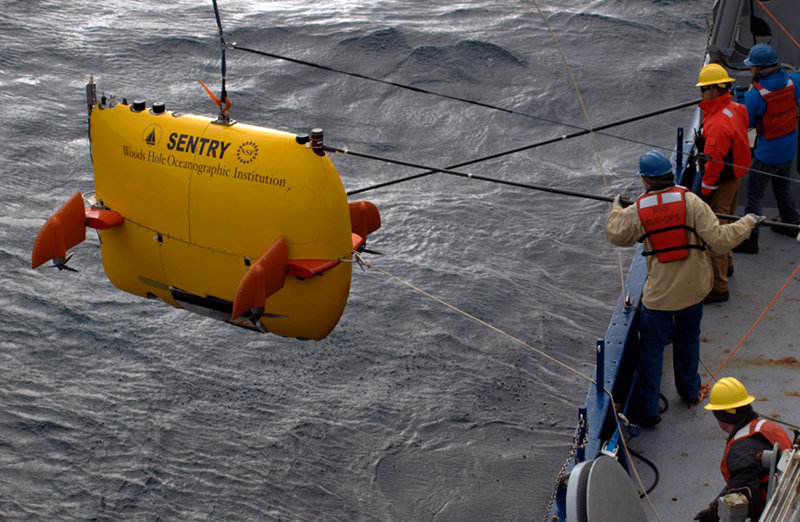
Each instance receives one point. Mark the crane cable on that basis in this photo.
(619, 251)
(581, 131)
(365, 264)
(704, 389)
(589, 126)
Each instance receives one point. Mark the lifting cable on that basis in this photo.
(530, 186)
(520, 149)
(761, 5)
(365, 264)
(582, 131)
(619, 252)
(434, 93)
(223, 101)
(705, 387)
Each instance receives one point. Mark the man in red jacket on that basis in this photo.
(723, 158)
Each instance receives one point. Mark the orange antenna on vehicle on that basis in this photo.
(216, 100)
(223, 110)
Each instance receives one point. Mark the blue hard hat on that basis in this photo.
(761, 55)
(654, 163)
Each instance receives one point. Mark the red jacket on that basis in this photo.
(741, 463)
(724, 140)
(771, 431)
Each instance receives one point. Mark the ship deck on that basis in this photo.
(687, 445)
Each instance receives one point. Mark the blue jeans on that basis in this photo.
(654, 327)
(781, 187)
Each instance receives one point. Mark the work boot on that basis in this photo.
(649, 421)
(748, 246)
(716, 297)
(692, 401)
(785, 231)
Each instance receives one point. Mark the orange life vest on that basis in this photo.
(768, 429)
(663, 216)
(780, 118)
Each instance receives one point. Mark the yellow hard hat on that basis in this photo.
(713, 74)
(728, 394)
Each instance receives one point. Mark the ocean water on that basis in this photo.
(114, 407)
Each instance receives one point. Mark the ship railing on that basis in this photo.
(782, 504)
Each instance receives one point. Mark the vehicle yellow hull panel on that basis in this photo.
(202, 200)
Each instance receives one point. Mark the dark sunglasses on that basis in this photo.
(705, 88)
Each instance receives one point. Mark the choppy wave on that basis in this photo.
(115, 407)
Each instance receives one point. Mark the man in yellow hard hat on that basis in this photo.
(723, 157)
(749, 435)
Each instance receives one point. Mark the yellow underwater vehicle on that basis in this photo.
(240, 223)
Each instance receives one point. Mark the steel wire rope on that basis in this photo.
(450, 97)
(362, 263)
(554, 190)
(508, 151)
(420, 90)
(224, 102)
(426, 91)
(619, 251)
(705, 387)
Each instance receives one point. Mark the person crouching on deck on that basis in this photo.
(675, 226)
(749, 435)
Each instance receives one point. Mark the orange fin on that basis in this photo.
(364, 218)
(65, 229)
(102, 218)
(310, 267)
(358, 241)
(265, 277)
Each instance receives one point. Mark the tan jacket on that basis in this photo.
(678, 284)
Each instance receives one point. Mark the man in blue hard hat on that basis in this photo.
(675, 227)
(772, 110)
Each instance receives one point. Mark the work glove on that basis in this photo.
(738, 93)
(617, 201)
(755, 218)
(708, 514)
(706, 198)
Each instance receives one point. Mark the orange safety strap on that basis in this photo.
(705, 387)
